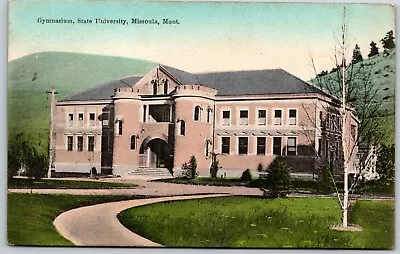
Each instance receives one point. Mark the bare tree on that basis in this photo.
(351, 94)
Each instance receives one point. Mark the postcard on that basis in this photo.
(201, 124)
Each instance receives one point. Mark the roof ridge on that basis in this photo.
(218, 72)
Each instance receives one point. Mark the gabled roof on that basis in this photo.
(231, 83)
(103, 91)
(182, 76)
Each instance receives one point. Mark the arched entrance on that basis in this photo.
(155, 153)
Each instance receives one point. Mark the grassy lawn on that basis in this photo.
(237, 222)
(30, 216)
(65, 184)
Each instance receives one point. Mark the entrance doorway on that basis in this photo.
(155, 153)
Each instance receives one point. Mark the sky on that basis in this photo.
(211, 36)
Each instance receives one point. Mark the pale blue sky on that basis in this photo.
(210, 37)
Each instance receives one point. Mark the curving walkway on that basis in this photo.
(98, 225)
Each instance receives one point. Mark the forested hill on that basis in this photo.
(380, 70)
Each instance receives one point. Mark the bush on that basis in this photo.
(190, 169)
(37, 164)
(278, 180)
(325, 183)
(246, 176)
(260, 168)
(214, 169)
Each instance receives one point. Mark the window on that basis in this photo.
(243, 117)
(320, 146)
(320, 119)
(119, 127)
(90, 143)
(197, 113)
(278, 117)
(261, 141)
(208, 143)
(182, 128)
(209, 110)
(292, 116)
(70, 120)
(70, 143)
(291, 146)
(226, 118)
(105, 117)
(154, 88)
(225, 145)
(277, 146)
(92, 119)
(353, 131)
(144, 113)
(166, 87)
(243, 145)
(133, 142)
(80, 143)
(80, 119)
(262, 117)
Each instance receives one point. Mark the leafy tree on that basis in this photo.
(278, 180)
(374, 49)
(15, 154)
(325, 182)
(36, 163)
(388, 42)
(214, 168)
(322, 73)
(246, 176)
(190, 169)
(385, 166)
(357, 57)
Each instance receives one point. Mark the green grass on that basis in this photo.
(243, 222)
(30, 216)
(65, 184)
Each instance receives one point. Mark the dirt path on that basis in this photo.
(159, 189)
(98, 225)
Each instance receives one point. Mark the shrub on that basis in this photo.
(278, 180)
(260, 168)
(36, 163)
(190, 169)
(214, 169)
(325, 183)
(246, 176)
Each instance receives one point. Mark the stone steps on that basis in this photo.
(154, 172)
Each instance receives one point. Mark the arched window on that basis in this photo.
(166, 86)
(208, 143)
(154, 88)
(209, 110)
(120, 127)
(133, 142)
(183, 128)
(197, 113)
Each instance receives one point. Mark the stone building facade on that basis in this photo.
(159, 120)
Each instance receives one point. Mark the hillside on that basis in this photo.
(29, 77)
(382, 69)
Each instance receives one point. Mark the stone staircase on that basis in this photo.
(151, 172)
